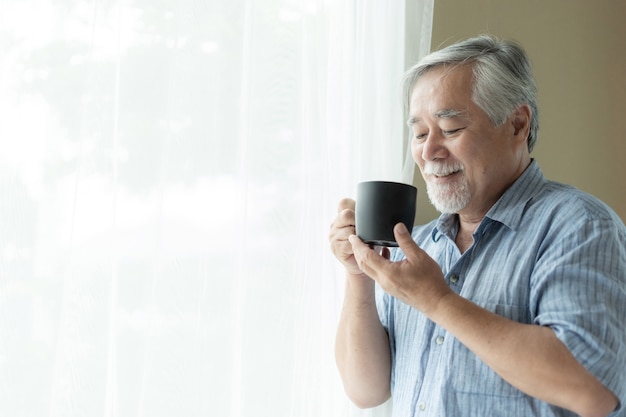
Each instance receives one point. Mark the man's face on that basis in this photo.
(467, 162)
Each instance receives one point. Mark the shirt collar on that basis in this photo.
(508, 210)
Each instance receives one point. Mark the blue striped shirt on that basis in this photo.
(545, 254)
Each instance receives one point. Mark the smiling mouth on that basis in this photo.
(449, 174)
(442, 171)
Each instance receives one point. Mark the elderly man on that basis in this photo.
(513, 302)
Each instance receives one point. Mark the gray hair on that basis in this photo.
(503, 78)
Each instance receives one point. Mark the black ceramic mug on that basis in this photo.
(380, 205)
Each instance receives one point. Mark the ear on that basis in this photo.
(520, 120)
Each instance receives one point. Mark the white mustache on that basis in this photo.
(442, 169)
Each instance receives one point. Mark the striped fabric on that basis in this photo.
(547, 254)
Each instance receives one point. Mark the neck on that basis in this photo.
(464, 236)
(470, 217)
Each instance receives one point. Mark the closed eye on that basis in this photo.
(452, 132)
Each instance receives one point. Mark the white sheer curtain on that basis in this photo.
(168, 173)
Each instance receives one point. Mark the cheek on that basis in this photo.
(416, 153)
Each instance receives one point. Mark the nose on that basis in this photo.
(430, 149)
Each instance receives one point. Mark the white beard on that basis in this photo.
(447, 198)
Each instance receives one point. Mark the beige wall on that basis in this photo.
(579, 60)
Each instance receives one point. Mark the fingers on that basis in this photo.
(377, 265)
(402, 235)
(345, 215)
(344, 224)
(369, 261)
(406, 242)
(346, 203)
(342, 227)
(339, 241)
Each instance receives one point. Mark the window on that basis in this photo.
(168, 174)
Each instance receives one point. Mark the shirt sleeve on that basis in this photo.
(579, 290)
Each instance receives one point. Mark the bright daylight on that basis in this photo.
(186, 227)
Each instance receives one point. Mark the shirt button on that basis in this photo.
(439, 340)
(422, 406)
(454, 279)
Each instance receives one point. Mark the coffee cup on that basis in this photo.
(380, 205)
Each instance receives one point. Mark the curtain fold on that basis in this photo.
(168, 174)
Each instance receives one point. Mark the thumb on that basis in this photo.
(404, 239)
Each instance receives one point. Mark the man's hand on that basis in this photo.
(417, 280)
(341, 229)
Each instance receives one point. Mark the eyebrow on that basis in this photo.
(441, 114)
